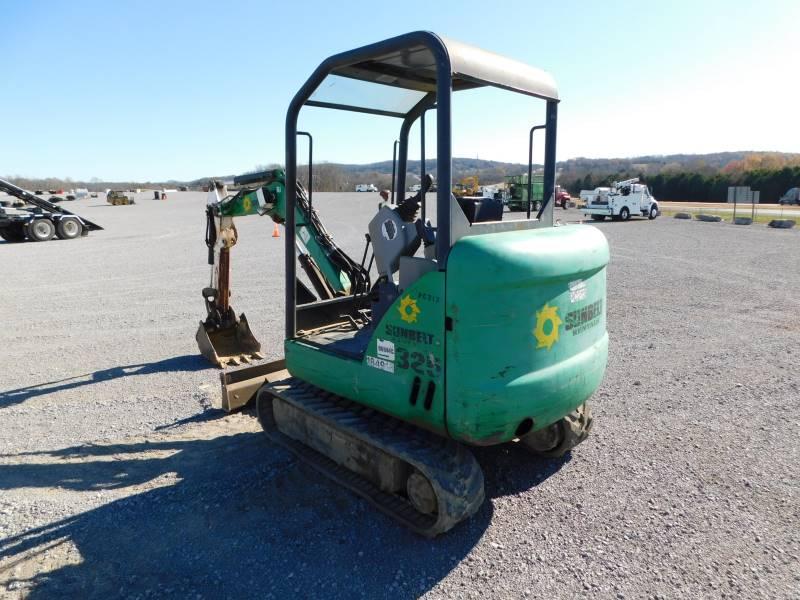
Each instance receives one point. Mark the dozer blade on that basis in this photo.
(229, 346)
(239, 387)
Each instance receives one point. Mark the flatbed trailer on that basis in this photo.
(41, 220)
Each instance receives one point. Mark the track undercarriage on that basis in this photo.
(426, 482)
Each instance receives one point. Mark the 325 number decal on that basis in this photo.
(419, 363)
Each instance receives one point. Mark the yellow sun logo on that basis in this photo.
(247, 204)
(408, 309)
(546, 336)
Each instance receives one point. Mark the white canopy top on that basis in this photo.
(408, 74)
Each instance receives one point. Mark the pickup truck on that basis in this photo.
(791, 197)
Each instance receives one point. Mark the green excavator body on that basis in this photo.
(509, 339)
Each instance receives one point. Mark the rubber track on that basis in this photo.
(453, 472)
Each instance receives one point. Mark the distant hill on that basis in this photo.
(574, 173)
(487, 171)
(695, 163)
(492, 171)
(691, 177)
(460, 165)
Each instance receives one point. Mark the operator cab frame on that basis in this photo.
(404, 77)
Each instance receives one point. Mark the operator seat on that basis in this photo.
(481, 210)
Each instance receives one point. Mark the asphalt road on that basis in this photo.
(120, 477)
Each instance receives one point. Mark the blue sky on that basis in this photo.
(152, 90)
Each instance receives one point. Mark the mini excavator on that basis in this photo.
(476, 331)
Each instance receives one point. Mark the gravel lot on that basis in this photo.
(785, 211)
(120, 477)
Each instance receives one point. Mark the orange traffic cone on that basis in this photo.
(276, 232)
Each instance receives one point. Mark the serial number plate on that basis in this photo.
(380, 363)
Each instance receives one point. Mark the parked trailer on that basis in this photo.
(40, 222)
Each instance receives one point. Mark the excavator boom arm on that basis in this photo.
(331, 272)
(265, 194)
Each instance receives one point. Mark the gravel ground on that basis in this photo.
(787, 211)
(120, 477)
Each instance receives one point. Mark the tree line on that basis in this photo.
(93, 185)
(698, 178)
(698, 187)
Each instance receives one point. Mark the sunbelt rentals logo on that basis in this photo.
(547, 323)
(408, 309)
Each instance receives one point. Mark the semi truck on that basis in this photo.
(516, 193)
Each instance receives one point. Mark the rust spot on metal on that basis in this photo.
(502, 372)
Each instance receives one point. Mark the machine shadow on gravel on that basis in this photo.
(509, 469)
(188, 362)
(235, 516)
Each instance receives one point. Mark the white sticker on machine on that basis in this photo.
(379, 363)
(385, 349)
(304, 235)
(577, 290)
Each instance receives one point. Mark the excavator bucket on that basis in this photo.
(229, 346)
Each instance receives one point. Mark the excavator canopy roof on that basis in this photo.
(406, 68)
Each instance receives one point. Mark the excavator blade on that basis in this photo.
(239, 387)
(229, 346)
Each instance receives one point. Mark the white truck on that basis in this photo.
(366, 187)
(620, 202)
(791, 197)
